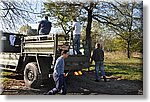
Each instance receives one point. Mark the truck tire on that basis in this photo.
(32, 77)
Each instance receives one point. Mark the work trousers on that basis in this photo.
(76, 43)
(99, 66)
(60, 85)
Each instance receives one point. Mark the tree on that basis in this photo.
(25, 28)
(66, 11)
(63, 12)
(123, 19)
(16, 12)
(120, 16)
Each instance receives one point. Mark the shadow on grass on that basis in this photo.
(11, 75)
(17, 77)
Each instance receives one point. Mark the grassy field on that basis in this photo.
(117, 64)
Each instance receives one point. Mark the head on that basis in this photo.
(98, 45)
(46, 17)
(65, 53)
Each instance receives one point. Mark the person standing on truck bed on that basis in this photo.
(76, 35)
(58, 75)
(44, 27)
(98, 57)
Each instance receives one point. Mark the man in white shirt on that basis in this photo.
(76, 36)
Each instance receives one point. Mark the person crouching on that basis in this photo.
(58, 75)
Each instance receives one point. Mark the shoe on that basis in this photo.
(104, 77)
(96, 80)
(50, 93)
(45, 93)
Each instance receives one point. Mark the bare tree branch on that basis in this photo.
(14, 13)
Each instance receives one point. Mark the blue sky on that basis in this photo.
(37, 7)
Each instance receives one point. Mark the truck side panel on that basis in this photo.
(44, 64)
(23, 60)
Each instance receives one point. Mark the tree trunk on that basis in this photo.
(88, 33)
(128, 49)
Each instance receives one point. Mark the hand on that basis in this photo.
(65, 75)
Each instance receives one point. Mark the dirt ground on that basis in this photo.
(77, 85)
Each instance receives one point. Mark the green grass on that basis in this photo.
(3, 78)
(5, 73)
(117, 64)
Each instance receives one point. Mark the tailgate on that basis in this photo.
(76, 62)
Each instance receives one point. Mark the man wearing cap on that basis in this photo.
(58, 75)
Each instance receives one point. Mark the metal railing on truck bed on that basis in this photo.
(41, 44)
(50, 44)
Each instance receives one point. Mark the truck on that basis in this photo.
(34, 56)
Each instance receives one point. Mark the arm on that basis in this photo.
(92, 57)
(39, 28)
(58, 66)
(103, 54)
(50, 26)
(73, 26)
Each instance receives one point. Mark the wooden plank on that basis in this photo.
(38, 37)
(39, 46)
(38, 53)
(38, 43)
(41, 41)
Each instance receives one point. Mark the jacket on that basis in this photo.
(98, 55)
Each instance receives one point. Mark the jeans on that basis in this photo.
(76, 43)
(99, 65)
(60, 85)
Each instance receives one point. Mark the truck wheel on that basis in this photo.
(32, 77)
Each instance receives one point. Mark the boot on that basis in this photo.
(104, 77)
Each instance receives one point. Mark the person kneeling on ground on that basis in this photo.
(58, 75)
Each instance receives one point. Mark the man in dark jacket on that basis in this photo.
(44, 27)
(98, 57)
